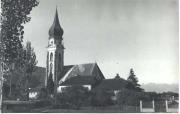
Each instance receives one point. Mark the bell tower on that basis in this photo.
(55, 51)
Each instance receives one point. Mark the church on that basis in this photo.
(87, 75)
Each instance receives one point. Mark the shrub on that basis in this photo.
(42, 103)
(101, 98)
(42, 94)
(127, 97)
(73, 97)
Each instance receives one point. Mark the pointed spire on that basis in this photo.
(56, 18)
(56, 29)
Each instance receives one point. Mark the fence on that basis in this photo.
(172, 106)
(147, 107)
(159, 106)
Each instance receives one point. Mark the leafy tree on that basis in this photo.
(14, 15)
(50, 84)
(29, 65)
(5, 90)
(34, 81)
(133, 82)
(22, 75)
(13, 73)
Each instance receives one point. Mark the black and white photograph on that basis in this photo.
(89, 56)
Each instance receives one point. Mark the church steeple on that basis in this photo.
(55, 51)
(55, 30)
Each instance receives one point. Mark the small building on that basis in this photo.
(114, 85)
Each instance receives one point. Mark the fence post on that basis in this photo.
(166, 106)
(140, 106)
(153, 105)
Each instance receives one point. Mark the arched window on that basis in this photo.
(51, 42)
(51, 67)
(51, 57)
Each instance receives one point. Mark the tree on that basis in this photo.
(50, 84)
(22, 75)
(133, 82)
(34, 81)
(29, 65)
(14, 15)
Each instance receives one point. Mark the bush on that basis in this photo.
(42, 103)
(42, 94)
(127, 97)
(101, 98)
(73, 97)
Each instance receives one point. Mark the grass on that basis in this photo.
(108, 109)
(75, 111)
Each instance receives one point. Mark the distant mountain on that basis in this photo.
(160, 87)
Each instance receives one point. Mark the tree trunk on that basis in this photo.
(27, 87)
(11, 75)
(10, 85)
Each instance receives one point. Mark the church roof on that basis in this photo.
(65, 70)
(55, 29)
(84, 70)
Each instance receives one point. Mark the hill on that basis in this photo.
(161, 87)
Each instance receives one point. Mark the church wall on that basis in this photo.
(59, 89)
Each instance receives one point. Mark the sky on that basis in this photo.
(117, 34)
